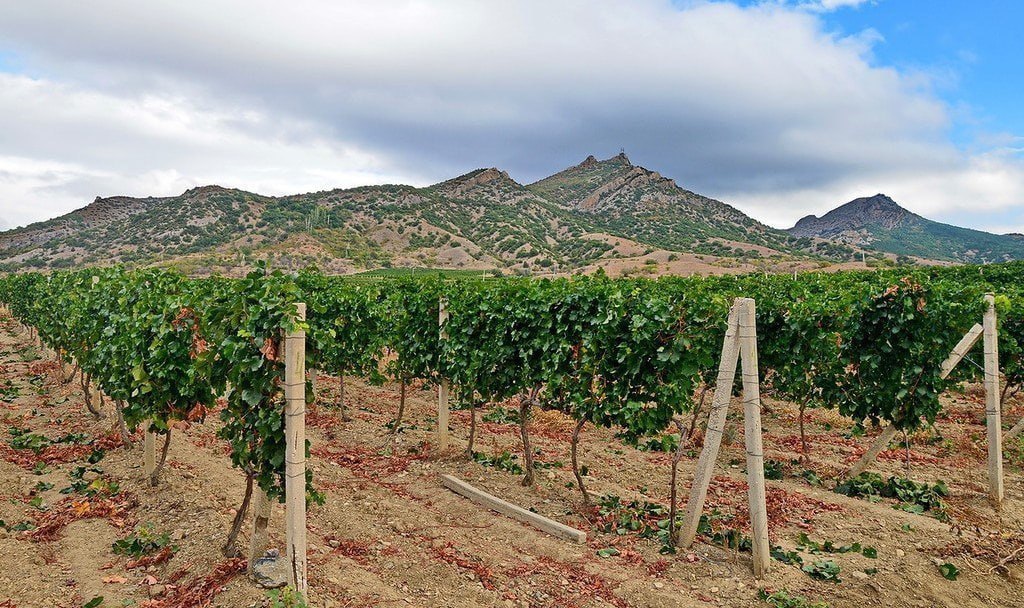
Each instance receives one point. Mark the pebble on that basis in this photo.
(658, 584)
(900, 553)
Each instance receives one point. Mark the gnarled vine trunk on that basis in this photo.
(67, 379)
(341, 399)
(906, 444)
(697, 410)
(122, 428)
(472, 427)
(85, 382)
(393, 437)
(673, 529)
(576, 463)
(230, 548)
(525, 407)
(154, 479)
(803, 434)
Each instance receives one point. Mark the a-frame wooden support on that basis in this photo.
(1017, 428)
(989, 334)
(740, 344)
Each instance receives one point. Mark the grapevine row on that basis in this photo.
(634, 354)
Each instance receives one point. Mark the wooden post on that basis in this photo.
(752, 430)
(716, 425)
(295, 451)
(961, 349)
(881, 442)
(259, 541)
(1017, 428)
(992, 412)
(442, 387)
(149, 458)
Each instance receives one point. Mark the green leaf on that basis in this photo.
(949, 571)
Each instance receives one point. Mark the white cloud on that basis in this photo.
(978, 191)
(757, 105)
(828, 6)
(63, 145)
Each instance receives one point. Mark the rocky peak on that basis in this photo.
(490, 179)
(877, 205)
(877, 210)
(204, 191)
(619, 159)
(590, 161)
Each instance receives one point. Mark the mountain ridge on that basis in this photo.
(596, 214)
(879, 223)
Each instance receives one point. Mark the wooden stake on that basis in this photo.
(752, 431)
(442, 387)
(716, 425)
(881, 442)
(295, 454)
(1017, 428)
(992, 413)
(260, 540)
(960, 351)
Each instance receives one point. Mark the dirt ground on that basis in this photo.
(390, 535)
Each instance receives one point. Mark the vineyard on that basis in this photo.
(597, 403)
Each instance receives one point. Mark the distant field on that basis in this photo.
(391, 273)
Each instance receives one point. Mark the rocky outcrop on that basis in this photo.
(878, 210)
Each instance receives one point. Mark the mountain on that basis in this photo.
(619, 198)
(599, 213)
(879, 223)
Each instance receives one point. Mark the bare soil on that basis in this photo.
(390, 535)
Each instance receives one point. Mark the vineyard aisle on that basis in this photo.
(389, 534)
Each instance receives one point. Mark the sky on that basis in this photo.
(780, 107)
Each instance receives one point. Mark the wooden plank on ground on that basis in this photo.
(516, 512)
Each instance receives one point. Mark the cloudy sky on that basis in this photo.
(779, 107)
